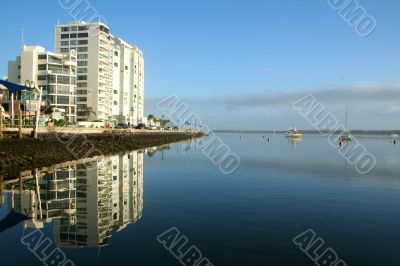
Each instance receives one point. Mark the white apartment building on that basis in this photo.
(128, 100)
(110, 72)
(55, 73)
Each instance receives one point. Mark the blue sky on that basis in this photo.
(206, 50)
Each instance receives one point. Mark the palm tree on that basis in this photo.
(164, 122)
(86, 111)
(151, 118)
(48, 109)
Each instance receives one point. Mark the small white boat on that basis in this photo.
(293, 133)
(394, 136)
(346, 136)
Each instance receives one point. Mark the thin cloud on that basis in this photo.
(352, 95)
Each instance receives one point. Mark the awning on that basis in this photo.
(13, 87)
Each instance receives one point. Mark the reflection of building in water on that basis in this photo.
(88, 202)
(57, 197)
(93, 207)
(109, 197)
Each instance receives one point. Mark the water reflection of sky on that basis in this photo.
(115, 207)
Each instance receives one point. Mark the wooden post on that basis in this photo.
(1, 190)
(12, 110)
(1, 124)
(38, 113)
(36, 174)
(20, 191)
(20, 125)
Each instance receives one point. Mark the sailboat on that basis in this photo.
(346, 135)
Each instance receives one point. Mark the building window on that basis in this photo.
(62, 100)
(82, 77)
(55, 60)
(82, 49)
(64, 29)
(82, 56)
(63, 80)
(55, 68)
(82, 63)
(83, 35)
(42, 77)
(82, 85)
(63, 89)
(51, 89)
(115, 103)
(42, 57)
(74, 28)
(81, 92)
(51, 99)
(73, 42)
(42, 67)
(116, 53)
(126, 67)
(82, 70)
(73, 35)
(64, 36)
(65, 43)
(64, 50)
(51, 79)
(82, 42)
(73, 80)
(81, 99)
(103, 29)
(116, 64)
(81, 28)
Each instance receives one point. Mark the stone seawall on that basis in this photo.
(51, 148)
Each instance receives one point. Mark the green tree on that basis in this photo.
(48, 109)
(164, 122)
(151, 117)
(86, 111)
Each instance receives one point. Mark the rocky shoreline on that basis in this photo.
(18, 155)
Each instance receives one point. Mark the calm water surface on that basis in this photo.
(111, 210)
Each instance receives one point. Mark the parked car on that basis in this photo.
(140, 126)
(121, 126)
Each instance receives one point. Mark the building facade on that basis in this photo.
(110, 72)
(54, 73)
(129, 107)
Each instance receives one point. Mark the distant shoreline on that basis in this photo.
(354, 132)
